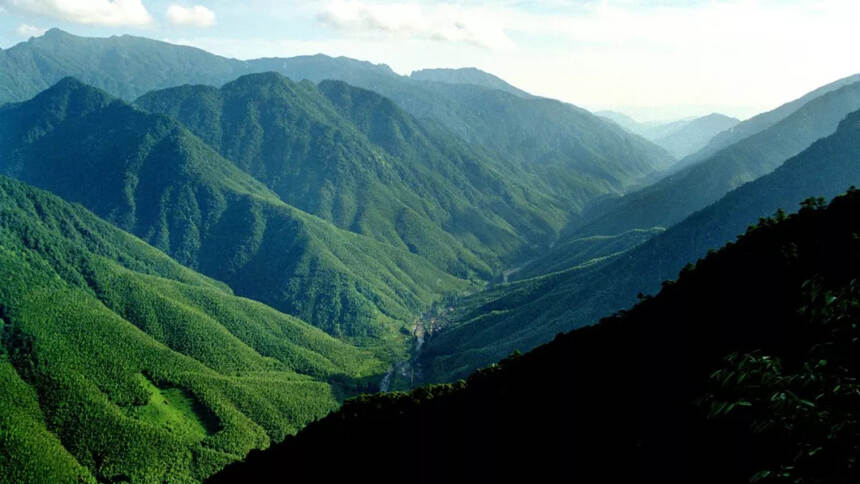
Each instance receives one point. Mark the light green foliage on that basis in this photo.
(126, 363)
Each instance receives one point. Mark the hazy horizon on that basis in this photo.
(661, 60)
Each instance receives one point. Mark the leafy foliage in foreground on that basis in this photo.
(150, 176)
(810, 404)
(490, 324)
(116, 362)
(629, 399)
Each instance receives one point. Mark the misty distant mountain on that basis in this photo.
(649, 130)
(693, 135)
(680, 138)
(761, 122)
(467, 75)
(690, 189)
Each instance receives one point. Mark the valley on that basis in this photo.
(313, 268)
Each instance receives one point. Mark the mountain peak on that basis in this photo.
(55, 33)
(71, 84)
(70, 97)
(467, 75)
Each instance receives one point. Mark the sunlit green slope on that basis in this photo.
(117, 362)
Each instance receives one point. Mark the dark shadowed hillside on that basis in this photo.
(744, 368)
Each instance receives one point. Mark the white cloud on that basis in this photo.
(26, 30)
(672, 58)
(441, 22)
(93, 12)
(197, 16)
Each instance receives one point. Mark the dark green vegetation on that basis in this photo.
(118, 363)
(467, 75)
(489, 325)
(744, 368)
(670, 200)
(150, 176)
(353, 157)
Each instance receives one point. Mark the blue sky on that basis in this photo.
(658, 59)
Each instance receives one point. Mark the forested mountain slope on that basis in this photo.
(744, 369)
(568, 150)
(118, 363)
(353, 157)
(150, 176)
(668, 201)
(489, 325)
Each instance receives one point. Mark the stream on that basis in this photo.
(410, 368)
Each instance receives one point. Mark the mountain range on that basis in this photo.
(203, 256)
(354, 158)
(547, 138)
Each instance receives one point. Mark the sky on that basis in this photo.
(654, 60)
